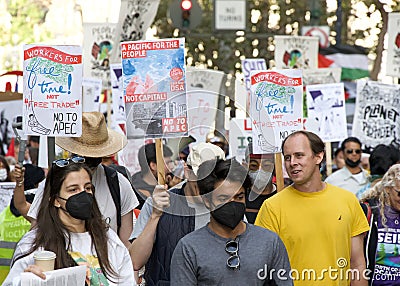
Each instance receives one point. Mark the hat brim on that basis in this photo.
(115, 143)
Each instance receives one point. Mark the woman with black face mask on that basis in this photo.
(70, 224)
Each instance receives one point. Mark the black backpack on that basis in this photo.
(113, 185)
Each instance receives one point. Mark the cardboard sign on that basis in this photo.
(52, 90)
(276, 108)
(376, 117)
(240, 136)
(154, 81)
(296, 52)
(326, 111)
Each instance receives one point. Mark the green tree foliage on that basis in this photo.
(223, 50)
(27, 17)
(266, 18)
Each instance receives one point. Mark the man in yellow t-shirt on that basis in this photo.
(322, 226)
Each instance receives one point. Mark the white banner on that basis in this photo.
(135, 17)
(376, 117)
(326, 111)
(203, 91)
(91, 94)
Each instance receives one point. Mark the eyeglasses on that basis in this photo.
(65, 162)
(350, 151)
(233, 261)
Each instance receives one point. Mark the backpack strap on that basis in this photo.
(113, 185)
(367, 211)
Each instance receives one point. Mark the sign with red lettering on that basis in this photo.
(240, 136)
(52, 101)
(276, 108)
(154, 88)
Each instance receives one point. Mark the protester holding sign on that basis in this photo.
(167, 216)
(98, 141)
(78, 233)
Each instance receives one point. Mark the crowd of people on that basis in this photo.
(215, 221)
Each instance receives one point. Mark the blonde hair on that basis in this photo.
(380, 192)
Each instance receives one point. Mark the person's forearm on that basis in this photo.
(20, 202)
(126, 228)
(359, 277)
(141, 248)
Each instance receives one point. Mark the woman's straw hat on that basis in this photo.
(96, 141)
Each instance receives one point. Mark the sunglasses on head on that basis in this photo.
(65, 162)
(232, 248)
(350, 151)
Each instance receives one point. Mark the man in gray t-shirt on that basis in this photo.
(168, 216)
(228, 251)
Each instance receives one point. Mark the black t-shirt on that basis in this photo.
(252, 206)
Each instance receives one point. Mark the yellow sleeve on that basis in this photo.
(267, 218)
(360, 223)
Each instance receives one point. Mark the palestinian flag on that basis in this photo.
(352, 59)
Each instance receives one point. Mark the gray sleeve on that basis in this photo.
(280, 262)
(183, 266)
(143, 218)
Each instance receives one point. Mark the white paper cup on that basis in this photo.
(45, 259)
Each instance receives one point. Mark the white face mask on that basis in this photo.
(3, 174)
(260, 179)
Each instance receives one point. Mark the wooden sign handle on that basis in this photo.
(280, 185)
(160, 162)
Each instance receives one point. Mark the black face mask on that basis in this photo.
(352, 164)
(230, 214)
(92, 163)
(79, 206)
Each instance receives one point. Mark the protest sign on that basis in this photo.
(318, 76)
(326, 111)
(276, 108)
(239, 137)
(98, 46)
(6, 193)
(118, 105)
(135, 17)
(376, 117)
(52, 102)
(296, 52)
(9, 110)
(249, 65)
(203, 91)
(393, 50)
(154, 81)
(91, 94)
